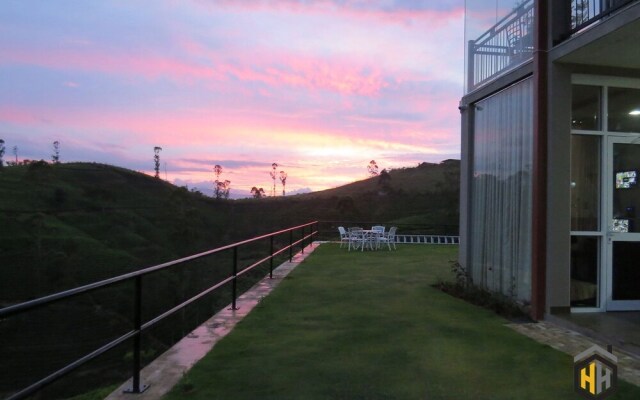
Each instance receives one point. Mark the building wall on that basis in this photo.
(559, 178)
(558, 189)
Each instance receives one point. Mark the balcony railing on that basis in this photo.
(505, 45)
(295, 236)
(509, 43)
(586, 12)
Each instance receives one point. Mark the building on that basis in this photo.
(550, 204)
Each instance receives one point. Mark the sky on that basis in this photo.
(319, 87)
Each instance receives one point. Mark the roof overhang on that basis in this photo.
(613, 42)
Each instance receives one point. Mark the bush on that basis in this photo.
(464, 289)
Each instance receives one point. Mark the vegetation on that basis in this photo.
(499, 303)
(426, 195)
(221, 188)
(371, 326)
(156, 161)
(2, 150)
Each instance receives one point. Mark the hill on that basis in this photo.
(56, 217)
(427, 195)
(70, 224)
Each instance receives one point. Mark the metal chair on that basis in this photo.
(389, 238)
(355, 237)
(344, 236)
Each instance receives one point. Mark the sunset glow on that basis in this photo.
(319, 87)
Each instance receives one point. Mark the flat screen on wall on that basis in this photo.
(620, 225)
(626, 179)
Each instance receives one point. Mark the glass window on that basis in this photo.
(626, 192)
(584, 271)
(624, 110)
(585, 182)
(626, 274)
(501, 192)
(585, 108)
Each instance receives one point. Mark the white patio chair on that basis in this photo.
(355, 237)
(379, 230)
(344, 236)
(389, 238)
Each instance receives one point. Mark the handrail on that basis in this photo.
(605, 7)
(46, 300)
(492, 53)
(505, 44)
(140, 327)
(505, 21)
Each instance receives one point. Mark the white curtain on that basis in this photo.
(501, 192)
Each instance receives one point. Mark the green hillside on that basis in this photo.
(55, 218)
(70, 224)
(427, 195)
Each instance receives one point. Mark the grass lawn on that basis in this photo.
(370, 326)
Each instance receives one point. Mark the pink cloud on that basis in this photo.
(355, 10)
(18, 115)
(341, 76)
(313, 73)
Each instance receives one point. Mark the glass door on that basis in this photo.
(623, 231)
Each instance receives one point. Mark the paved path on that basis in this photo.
(573, 343)
(165, 371)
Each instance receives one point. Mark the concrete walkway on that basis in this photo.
(573, 343)
(165, 371)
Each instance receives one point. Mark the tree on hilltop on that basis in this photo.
(217, 187)
(156, 160)
(221, 189)
(2, 149)
(283, 180)
(224, 188)
(257, 192)
(273, 174)
(55, 157)
(372, 168)
(384, 177)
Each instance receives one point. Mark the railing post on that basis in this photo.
(302, 241)
(271, 260)
(137, 323)
(290, 245)
(234, 283)
(471, 81)
(315, 229)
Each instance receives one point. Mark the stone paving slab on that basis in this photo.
(165, 371)
(573, 343)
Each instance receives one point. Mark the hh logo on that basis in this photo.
(595, 373)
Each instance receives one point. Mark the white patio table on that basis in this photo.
(368, 238)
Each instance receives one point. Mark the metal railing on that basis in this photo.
(138, 325)
(586, 12)
(510, 42)
(505, 45)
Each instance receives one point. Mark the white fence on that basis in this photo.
(427, 239)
